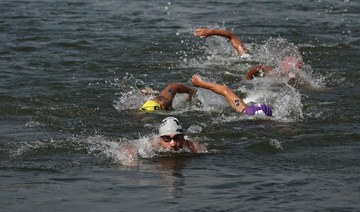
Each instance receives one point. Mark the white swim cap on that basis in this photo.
(170, 125)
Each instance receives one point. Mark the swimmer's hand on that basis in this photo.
(196, 80)
(246, 56)
(202, 32)
(149, 91)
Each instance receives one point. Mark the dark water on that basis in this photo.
(69, 88)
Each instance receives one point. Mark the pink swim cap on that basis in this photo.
(290, 63)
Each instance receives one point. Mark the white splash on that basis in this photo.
(131, 96)
(288, 106)
(123, 151)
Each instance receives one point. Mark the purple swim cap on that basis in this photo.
(258, 109)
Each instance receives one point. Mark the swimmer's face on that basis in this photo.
(173, 142)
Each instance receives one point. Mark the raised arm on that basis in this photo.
(234, 101)
(174, 88)
(166, 96)
(236, 42)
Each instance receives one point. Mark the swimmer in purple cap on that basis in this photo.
(234, 101)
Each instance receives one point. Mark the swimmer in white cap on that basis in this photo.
(290, 63)
(171, 137)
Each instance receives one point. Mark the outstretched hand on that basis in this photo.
(202, 32)
(196, 80)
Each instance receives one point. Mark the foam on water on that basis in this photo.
(275, 50)
(209, 100)
(288, 105)
(130, 93)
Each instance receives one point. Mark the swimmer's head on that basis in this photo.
(291, 63)
(151, 106)
(170, 126)
(258, 109)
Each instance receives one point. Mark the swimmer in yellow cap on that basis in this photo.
(151, 105)
(164, 100)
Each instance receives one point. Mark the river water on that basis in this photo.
(71, 74)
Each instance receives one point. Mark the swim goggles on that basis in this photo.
(176, 138)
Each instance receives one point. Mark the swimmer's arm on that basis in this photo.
(235, 41)
(173, 88)
(234, 101)
(195, 147)
(181, 88)
(255, 71)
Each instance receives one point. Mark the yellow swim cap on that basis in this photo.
(151, 105)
